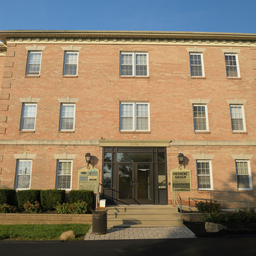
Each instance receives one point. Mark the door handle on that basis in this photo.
(131, 183)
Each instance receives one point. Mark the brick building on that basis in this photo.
(134, 101)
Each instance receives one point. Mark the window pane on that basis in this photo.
(203, 173)
(34, 61)
(196, 65)
(236, 118)
(107, 175)
(64, 175)
(231, 65)
(23, 174)
(64, 168)
(126, 64)
(200, 118)
(67, 117)
(242, 171)
(127, 110)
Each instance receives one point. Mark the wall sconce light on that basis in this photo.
(88, 159)
(180, 158)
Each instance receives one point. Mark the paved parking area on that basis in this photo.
(143, 233)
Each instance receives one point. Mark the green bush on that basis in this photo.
(75, 208)
(32, 207)
(7, 196)
(52, 197)
(5, 208)
(239, 216)
(27, 195)
(209, 207)
(82, 196)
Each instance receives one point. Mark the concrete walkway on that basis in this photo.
(143, 233)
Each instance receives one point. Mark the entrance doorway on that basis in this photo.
(134, 175)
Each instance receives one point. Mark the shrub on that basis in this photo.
(75, 208)
(5, 208)
(52, 197)
(212, 206)
(82, 196)
(32, 207)
(27, 195)
(239, 216)
(7, 196)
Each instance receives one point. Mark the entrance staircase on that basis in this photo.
(143, 216)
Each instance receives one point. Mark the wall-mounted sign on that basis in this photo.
(180, 179)
(88, 179)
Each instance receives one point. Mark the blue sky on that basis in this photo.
(141, 15)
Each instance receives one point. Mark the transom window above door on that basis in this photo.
(133, 64)
(134, 116)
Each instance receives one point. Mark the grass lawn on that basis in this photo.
(41, 232)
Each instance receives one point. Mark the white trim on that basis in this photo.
(134, 117)
(16, 174)
(242, 109)
(24, 156)
(203, 157)
(210, 168)
(64, 156)
(68, 100)
(22, 117)
(237, 64)
(249, 174)
(35, 48)
(196, 50)
(74, 118)
(206, 117)
(27, 67)
(242, 157)
(231, 50)
(236, 101)
(202, 63)
(30, 100)
(71, 174)
(64, 66)
(71, 48)
(134, 64)
(199, 101)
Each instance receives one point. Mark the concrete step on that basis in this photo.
(143, 216)
(144, 222)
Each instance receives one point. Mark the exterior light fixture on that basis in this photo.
(88, 159)
(180, 158)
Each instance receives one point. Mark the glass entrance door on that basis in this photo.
(135, 183)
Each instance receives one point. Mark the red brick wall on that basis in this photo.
(100, 89)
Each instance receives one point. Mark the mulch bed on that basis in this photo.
(233, 229)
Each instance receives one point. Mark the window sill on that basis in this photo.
(70, 76)
(204, 190)
(32, 76)
(234, 78)
(198, 77)
(240, 132)
(202, 132)
(134, 132)
(66, 131)
(135, 77)
(27, 131)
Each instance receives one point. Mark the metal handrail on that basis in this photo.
(211, 192)
(176, 201)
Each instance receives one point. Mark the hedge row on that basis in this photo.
(48, 199)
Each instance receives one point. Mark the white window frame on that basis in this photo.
(244, 124)
(210, 175)
(134, 63)
(237, 65)
(64, 67)
(17, 174)
(134, 116)
(206, 117)
(202, 63)
(74, 118)
(249, 174)
(57, 174)
(27, 68)
(22, 117)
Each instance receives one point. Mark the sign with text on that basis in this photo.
(180, 179)
(88, 179)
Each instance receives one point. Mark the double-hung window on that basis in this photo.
(237, 118)
(232, 68)
(204, 179)
(243, 174)
(71, 64)
(196, 65)
(200, 118)
(28, 119)
(67, 117)
(23, 174)
(34, 63)
(133, 64)
(64, 174)
(134, 116)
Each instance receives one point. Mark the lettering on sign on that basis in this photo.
(88, 179)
